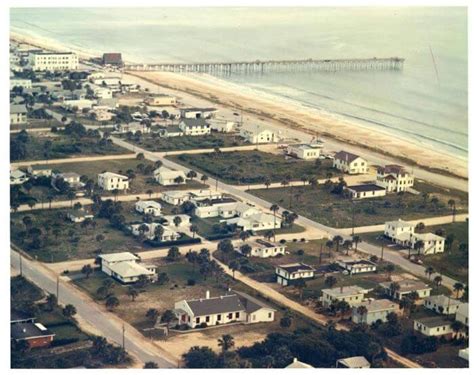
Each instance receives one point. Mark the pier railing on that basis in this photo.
(249, 67)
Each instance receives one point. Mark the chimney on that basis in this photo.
(295, 360)
(208, 294)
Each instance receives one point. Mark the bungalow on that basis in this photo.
(39, 171)
(353, 295)
(35, 334)
(261, 248)
(175, 197)
(160, 100)
(405, 287)
(113, 181)
(256, 134)
(306, 151)
(223, 207)
(353, 362)
(442, 304)
(433, 326)
(73, 179)
(233, 307)
(166, 177)
(171, 131)
(18, 114)
(197, 112)
(194, 126)
(462, 315)
(150, 231)
(18, 177)
(125, 268)
(78, 216)
(374, 310)
(148, 207)
(256, 222)
(364, 191)
(394, 178)
(287, 274)
(169, 220)
(357, 266)
(350, 163)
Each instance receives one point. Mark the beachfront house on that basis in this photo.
(230, 308)
(261, 248)
(148, 207)
(436, 326)
(357, 266)
(257, 134)
(194, 126)
(53, 61)
(113, 181)
(18, 114)
(125, 267)
(305, 151)
(373, 310)
(288, 274)
(353, 295)
(365, 191)
(405, 287)
(160, 100)
(166, 177)
(394, 178)
(205, 113)
(350, 163)
(78, 216)
(18, 177)
(442, 304)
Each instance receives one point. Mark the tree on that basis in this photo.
(420, 227)
(163, 278)
(179, 180)
(337, 240)
(429, 271)
(87, 270)
(149, 192)
(132, 293)
(69, 311)
(274, 208)
(191, 175)
(300, 284)
(226, 342)
(389, 268)
(150, 365)
(418, 246)
(152, 315)
(204, 178)
(438, 280)
(173, 254)
(330, 281)
(405, 304)
(234, 266)
(452, 204)
(111, 303)
(194, 229)
(394, 287)
(458, 287)
(167, 317)
(177, 221)
(286, 321)
(356, 239)
(159, 231)
(244, 235)
(51, 301)
(192, 257)
(329, 245)
(200, 357)
(246, 249)
(361, 310)
(226, 247)
(347, 245)
(456, 326)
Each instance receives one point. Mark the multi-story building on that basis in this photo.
(257, 134)
(350, 163)
(353, 295)
(113, 181)
(374, 310)
(306, 151)
(18, 114)
(394, 178)
(194, 126)
(288, 274)
(52, 61)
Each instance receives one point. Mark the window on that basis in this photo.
(198, 320)
(237, 315)
(219, 317)
(229, 316)
(208, 319)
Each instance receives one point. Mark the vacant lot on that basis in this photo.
(336, 211)
(233, 167)
(152, 142)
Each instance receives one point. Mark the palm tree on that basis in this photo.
(226, 342)
(361, 310)
(194, 228)
(438, 280)
(111, 303)
(330, 245)
(429, 271)
(452, 204)
(456, 326)
(347, 245)
(330, 281)
(244, 235)
(274, 208)
(394, 288)
(115, 192)
(419, 227)
(389, 269)
(418, 246)
(234, 266)
(149, 192)
(132, 293)
(405, 304)
(204, 178)
(267, 182)
(337, 240)
(356, 239)
(458, 287)
(177, 221)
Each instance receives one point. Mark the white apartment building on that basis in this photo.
(194, 126)
(394, 178)
(258, 134)
(18, 114)
(306, 151)
(350, 163)
(52, 61)
(287, 274)
(113, 181)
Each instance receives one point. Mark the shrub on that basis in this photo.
(300, 252)
(191, 282)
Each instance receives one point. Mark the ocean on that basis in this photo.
(426, 102)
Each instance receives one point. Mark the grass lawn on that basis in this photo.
(152, 142)
(232, 167)
(36, 123)
(336, 211)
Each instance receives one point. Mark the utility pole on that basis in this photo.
(57, 289)
(123, 336)
(353, 214)
(321, 253)
(21, 264)
(217, 181)
(381, 256)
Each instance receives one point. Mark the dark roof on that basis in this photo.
(194, 122)
(296, 267)
(433, 321)
(194, 109)
(392, 168)
(16, 317)
(250, 303)
(24, 331)
(365, 187)
(216, 305)
(112, 58)
(346, 156)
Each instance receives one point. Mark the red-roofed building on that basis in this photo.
(112, 59)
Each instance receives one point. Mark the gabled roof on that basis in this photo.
(18, 108)
(298, 364)
(194, 122)
(28, 330)
(251, 304)
(354, 362)
(118, 257)
(399, 223)
(346, 156)
(216, 305)
(392, 168)
(194, 109)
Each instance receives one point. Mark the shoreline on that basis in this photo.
(291, 117)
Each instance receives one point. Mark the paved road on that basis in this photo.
(73, 160)
(104, 322)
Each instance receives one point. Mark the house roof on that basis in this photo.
(216, 305)
(399, 223)
(194, 122)
(18, 108)
(28, 330)
(346, 156)
(378, 305)
(433, 321)
(17, 316)
(354, 362)
(147, 204)
(252, 304)
(365, 187)
(344, 291)
(112, 175)
(129, 269)
(427, 237)
(195, 109)
(298, 364)
(407, 285)
(118, 257)
(66, 175)
(308, 146)
(392, 168)
(442, 300)
(17, 173)
(168, 173)
(296, 267)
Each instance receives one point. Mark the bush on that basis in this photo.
(191, 282)
(300, 252)
(303, 240)
(282, 241)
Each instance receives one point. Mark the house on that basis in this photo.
(18, 177)
(125, 268)
(261, 248)
(357, 266)
(287, 274)
(175, 197)
(205, 113)
(160, 100)
(19, 82)
(169, 220)
(78, 216)
(52, 61)
(26, 329)
(353, 295)
(394, 178)
(219, 207)
(374, 310)
(350, 163)
(102, 92)
(114, 59)
(166, 177)
(148, 207)
(101, 113)
(298, 364)
(194, 126)
(433, 326)
(395, 229)
(113, 181)
(353, 362)
(257, 134)
(305, 151)
(406, 287)
(150, 231)
(72, 178)
(255, 222)
(442, 304)
(431, 243)
(462, 315)
(233, 307)
(171, 131)
(364, 191)
(464, 354)
(18, 114)
(39, 171)
(222, 126)
(131, 127)
(196, 196)
(78, 104)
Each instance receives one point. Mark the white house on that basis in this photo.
(148, 207)
(394, 178)
(169, 220)
(261, 248)
(432, 243)
(365, 191)
(350, 163)
(353, 362)
(19, 82)
(102, 92)
(462, 315)
(258, 134)
(406, 287)
(194, 126)
(166, 177)
(197, 112)
(220, 207)
(72, 178)
(442, 304)
(18, 177)
(287, 274)
(150, 232)
(298, 364)
(125, 268)
(39, 171)
(256, 222)
(18, 114)
(305, 151)
(353, 295)
(175, 197)
(113, 181)
(160, 100)
(78, 216)
(132, 127)
(52, 61)
(398, 228)
(374, 310)
(222, 126)
(171, 131)
(233, 307)
(357, 266)
(433, 326)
